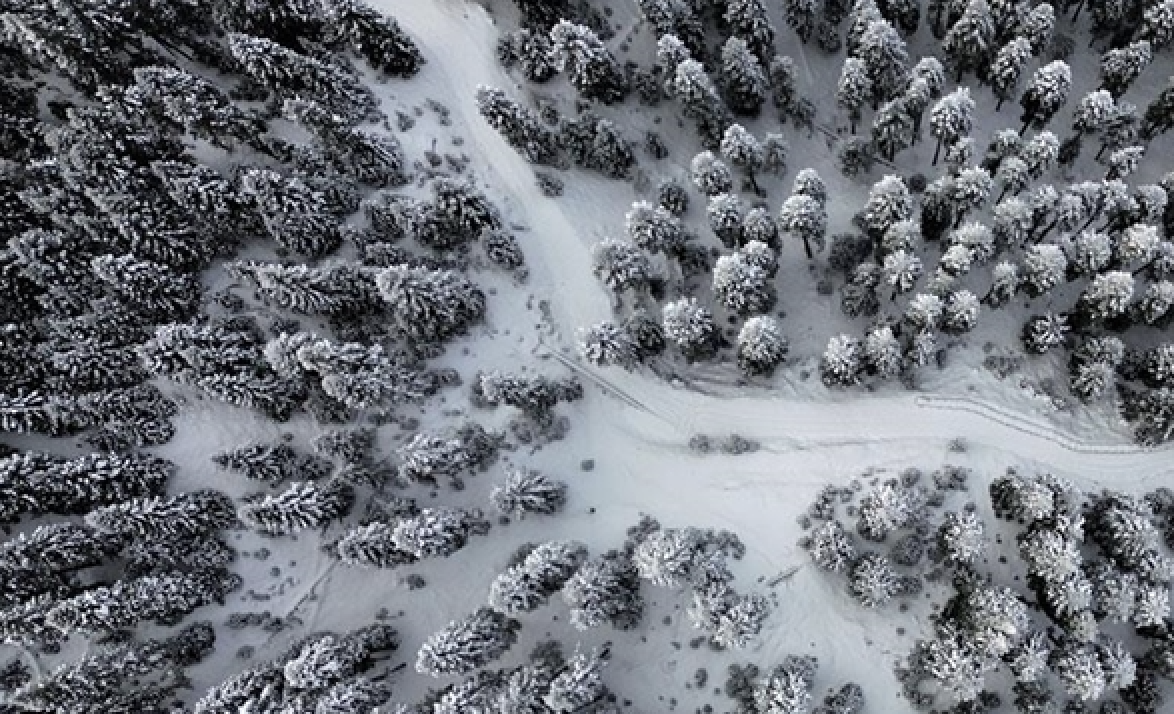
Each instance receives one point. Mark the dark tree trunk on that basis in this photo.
(807, 248)
(937, 150)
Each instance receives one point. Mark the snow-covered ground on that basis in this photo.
(635, 428)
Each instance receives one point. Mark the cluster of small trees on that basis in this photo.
(1081, 598)
(787, 689)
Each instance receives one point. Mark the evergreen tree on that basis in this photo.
(960, 312)
(292, 75)
(597, 144)
(620, 265)
(196, 105)
(590, 67)
(889, 202)
(1157, 24)
(337, 290)
(529, 584)
(805, 217)
(841, 364)
(1008, 67)
(970, 40)
(271, 463)
(701, 102)
(741, 149)
(744, 79)
(607, 343)
(128, 602)
(748, 20)
(578, 686)
(372, 546)
(534, 396)
(855, 88)
(1106, 297)
(725, 218)
(761, 346)
(430, 304)
(1038, 27)
(437, 532)
(604, 590)
(893, 128)
(182, 517)
(801, 16)
(782, 84)
(676, 18)
(1121, 67)
(887, 59)
(521, 128)
(691, 327)
(1046, 92)
(710, 175)
(294, 215)
(303, 505)
(741, 286)
(1041, 153)
(525, 492)
(902, 270)
(759, 227)
(375, 36)
(951, 118)
(468, 643)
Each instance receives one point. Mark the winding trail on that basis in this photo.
(557, 246)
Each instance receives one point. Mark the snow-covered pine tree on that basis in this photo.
(620, 265)
(185, 516)
(295, 215)
(742, 286)
(960, 312)
(1106, 297)
(430, 304)
(590, 66)
(603, 590)
(710, 175)
(893, 128)
(305, 504)
(375, 36)
(724, 212)
(759, 227)
(196, 105)
(761, 345)
(518, 125)
(468, 643)
(748, 19)
(334, 290)
(805, 217)
(372, 546)
(126, 603)
(678, 19)
(579, 686)
(437, 532)
(781, 71)
(606, 344)
(1044, 332)
(1007, 68)
(1046, 92)
(529, 584)
(854, 89)
(1157, 24)
(744, 151)
(292, 75)
(743, 77)
(842, 361)
(889, 202)
(1038, 27)
(887, 59)
(970, 41)
(801, 16)
(1121, 67)
(691, 327)
(951, 118)
(525, 492)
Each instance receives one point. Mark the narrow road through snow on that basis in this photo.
(557, 247)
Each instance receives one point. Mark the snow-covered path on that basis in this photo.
(557, 246)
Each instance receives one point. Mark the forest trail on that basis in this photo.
(557, 246)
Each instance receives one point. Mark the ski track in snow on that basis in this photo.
(559, 243)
